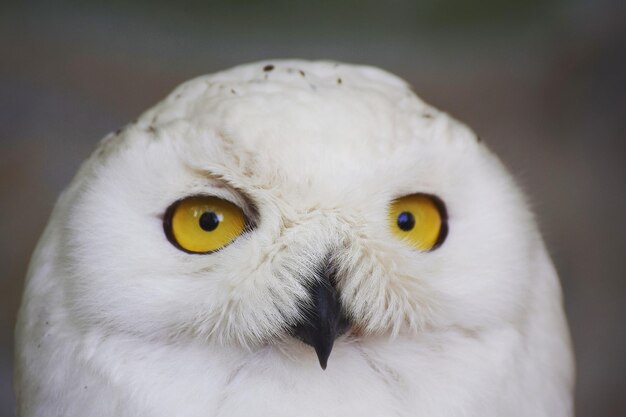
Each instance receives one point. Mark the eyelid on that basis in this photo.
(245, 204)
(208, 184)
(228, 195)
(426, 190)
(249, 210)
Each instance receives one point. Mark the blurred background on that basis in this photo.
(542, 82)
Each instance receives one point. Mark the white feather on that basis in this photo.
(116, 321)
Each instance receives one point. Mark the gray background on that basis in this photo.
(542, 82)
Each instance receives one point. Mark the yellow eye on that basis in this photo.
(203, 224)
(420, 220)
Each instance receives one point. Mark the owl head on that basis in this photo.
(288, 201)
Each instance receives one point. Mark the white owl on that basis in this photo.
(278, 216)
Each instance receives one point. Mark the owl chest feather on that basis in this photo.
(124, 377)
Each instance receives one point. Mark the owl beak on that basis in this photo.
(323, 320)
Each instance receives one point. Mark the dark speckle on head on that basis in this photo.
(427, 116)
(302, 73)
(339, 81)
(233, 91)
(268, 68)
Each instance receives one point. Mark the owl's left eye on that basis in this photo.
(420, 220)
(203, 224)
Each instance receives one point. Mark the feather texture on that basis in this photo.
(116, 321)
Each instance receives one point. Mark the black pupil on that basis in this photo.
(209, 221)
(406, 221)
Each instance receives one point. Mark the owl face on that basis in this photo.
(220, 211)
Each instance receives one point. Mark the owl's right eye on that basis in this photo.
(203, 224)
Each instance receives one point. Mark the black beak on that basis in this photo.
(323, 320)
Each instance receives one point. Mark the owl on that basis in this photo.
(292, 238)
